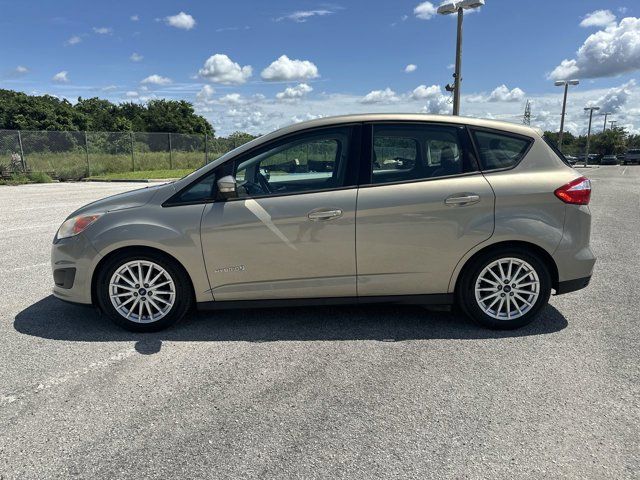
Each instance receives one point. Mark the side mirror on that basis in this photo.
(227, 187)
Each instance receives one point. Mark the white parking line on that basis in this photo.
(43, 225)
(25, 267)
(6, 399)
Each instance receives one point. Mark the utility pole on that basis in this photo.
(458, 7)
(590, 110)
(565, 84)
(613, 124)
(457, 76)
(526, 119)
(606, 114)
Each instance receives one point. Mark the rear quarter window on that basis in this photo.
(498, 150)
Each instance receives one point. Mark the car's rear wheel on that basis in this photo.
(143, 292)
(506, 289)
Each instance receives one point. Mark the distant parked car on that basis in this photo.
(481, 213)
(594, 159)
(632, 156)
(609, 160)
(571, 159)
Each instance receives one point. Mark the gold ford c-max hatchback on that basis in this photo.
(412, 209)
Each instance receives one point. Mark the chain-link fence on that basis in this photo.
(76, 155)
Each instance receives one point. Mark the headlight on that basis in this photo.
(76, 225)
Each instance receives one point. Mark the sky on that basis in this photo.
(256, 66)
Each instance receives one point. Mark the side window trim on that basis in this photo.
(472, 129)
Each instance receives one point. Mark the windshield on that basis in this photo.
(556, 150)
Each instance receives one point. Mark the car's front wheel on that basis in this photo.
(505, 290)
(143, 292)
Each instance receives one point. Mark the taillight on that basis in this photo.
(577, 192)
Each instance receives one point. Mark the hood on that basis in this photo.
(120, 201)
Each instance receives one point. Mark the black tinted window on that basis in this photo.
(405, 152)
(556, 150)
(200, 191)
(498, 150)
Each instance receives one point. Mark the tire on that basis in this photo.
(168, 295)
(475, 295)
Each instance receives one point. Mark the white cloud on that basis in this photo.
(422, 91)
(232, 99)
(380, 96)
(424, 10)
(615, 98)
(205, 94)
(451, 66)
(73, 40)
(599, 18)
(61, 77)
(132, 94)
(304, 15)
(134, 18)
(136, 57)
(156, 80)
(304, 117)
(109, 88)
(285, 69)
(273, 114)
(294, 93)
(103, 30)
(181, 20)
(435, 101)
(410, 68)
(21, 70)
(503, 94)
(606, 53)
(247, 120)
(221, 69)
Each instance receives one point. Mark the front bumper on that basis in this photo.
(73, 260)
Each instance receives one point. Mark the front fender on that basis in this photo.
(172, 230)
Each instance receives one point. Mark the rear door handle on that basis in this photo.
(317, 215)
(461, 199)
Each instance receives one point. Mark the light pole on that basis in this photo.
(458, 6)
(590, 110)
(606, 114)
(565, 84)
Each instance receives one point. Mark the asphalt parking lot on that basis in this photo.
(341, 392)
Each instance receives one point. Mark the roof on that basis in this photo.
(411, 117)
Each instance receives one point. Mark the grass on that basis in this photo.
(73, 165)
(22, 179)
(143, 174)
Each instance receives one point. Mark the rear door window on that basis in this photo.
(498, 150)
(413, 152)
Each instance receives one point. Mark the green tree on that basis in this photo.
(19, 111)
(240, 138)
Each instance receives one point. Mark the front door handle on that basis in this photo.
(318, 215)
(461, 199)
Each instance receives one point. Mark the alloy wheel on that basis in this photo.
(507, 288)
(142, 291)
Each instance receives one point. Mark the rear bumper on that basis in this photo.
(572, 285)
